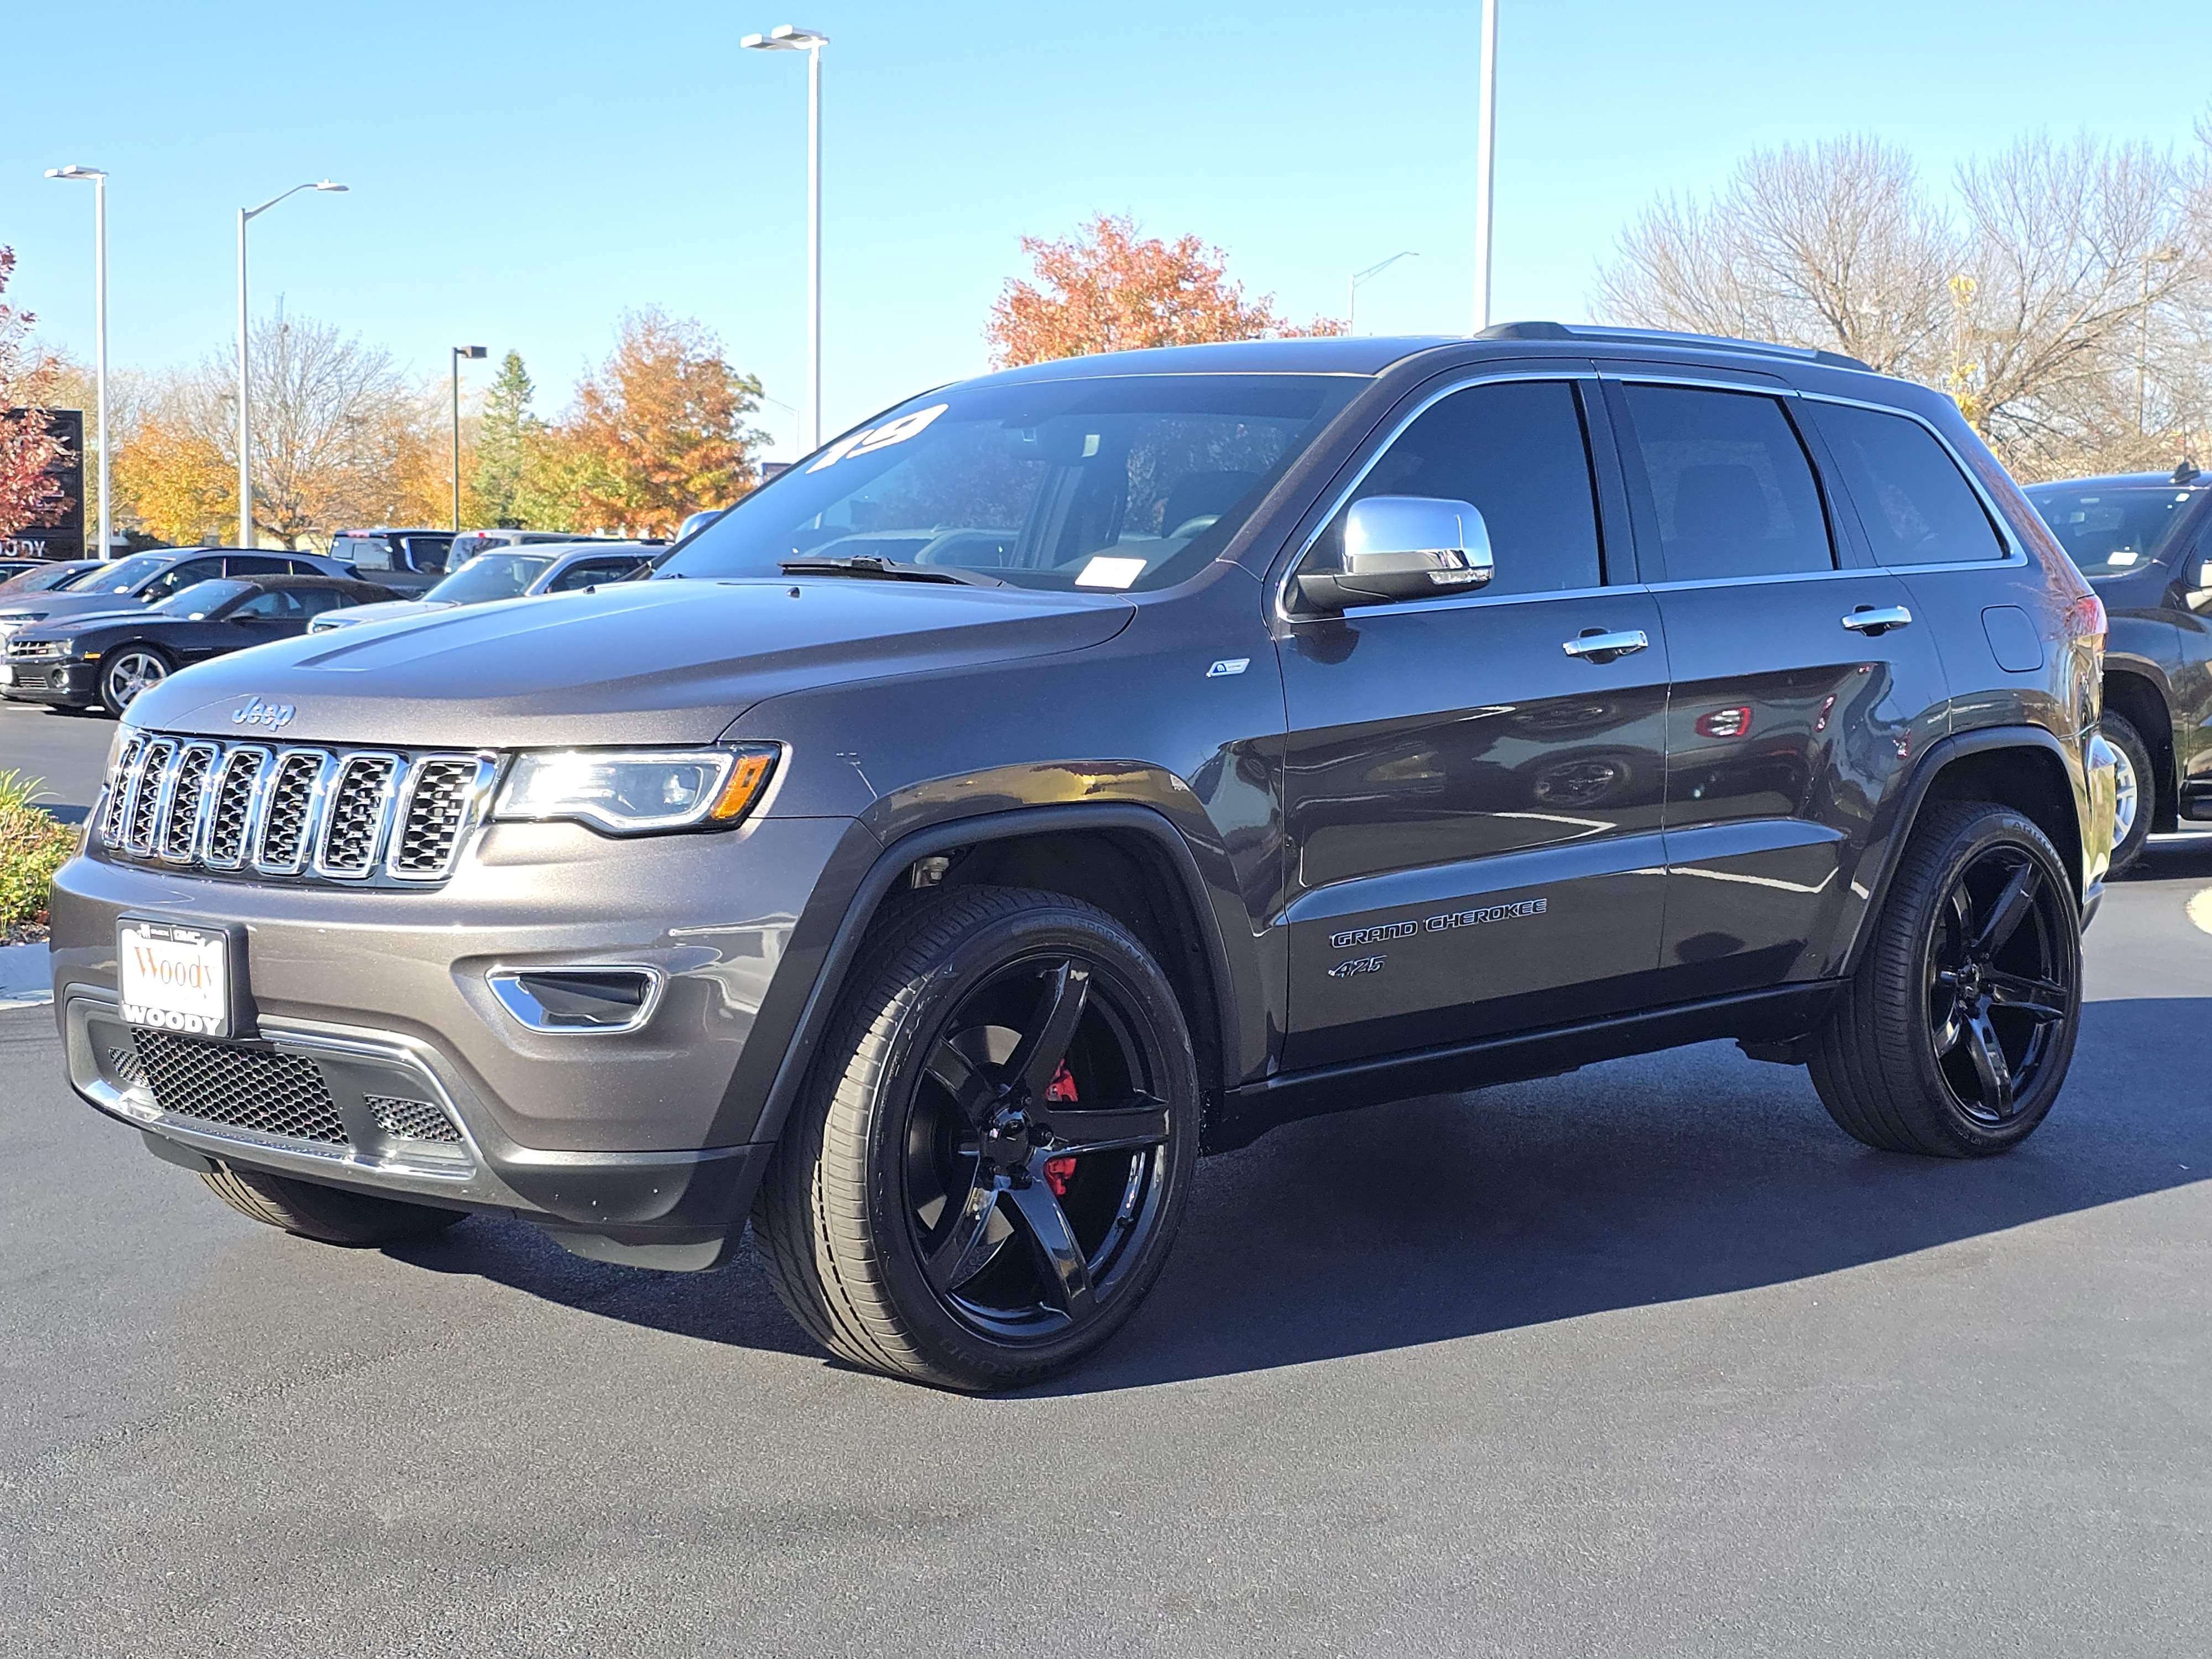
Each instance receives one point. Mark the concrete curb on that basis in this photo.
(26, 976)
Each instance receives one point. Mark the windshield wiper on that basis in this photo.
(867, 565)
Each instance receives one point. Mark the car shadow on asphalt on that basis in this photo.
(1664, 1178)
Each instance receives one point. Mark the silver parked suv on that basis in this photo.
(1081, 766)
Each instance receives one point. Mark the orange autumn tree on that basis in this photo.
(1107, 289)
(658, 430)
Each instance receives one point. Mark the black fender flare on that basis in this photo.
(891, 867)
(1886, 847)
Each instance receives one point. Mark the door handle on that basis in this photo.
(1870, 619)
(1597, 646)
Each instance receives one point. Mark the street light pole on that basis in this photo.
(99, 325)
(245, 376)
(1351, 284)
(1485, 163)
(2157, 256)
(473, 354)
(788, 37)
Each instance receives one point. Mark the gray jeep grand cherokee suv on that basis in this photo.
(1080, 768)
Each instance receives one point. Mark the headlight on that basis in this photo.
(638, 791)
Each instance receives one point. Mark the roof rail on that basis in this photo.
(1537, 331)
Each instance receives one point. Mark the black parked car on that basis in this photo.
(106, 658)
(1078, 768)
(150, 578)
(2144, 540)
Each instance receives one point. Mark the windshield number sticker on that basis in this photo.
(1107, 571)
(870, 439)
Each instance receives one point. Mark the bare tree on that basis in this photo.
(1831, 245)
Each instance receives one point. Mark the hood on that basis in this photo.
(381, 611)
(60, 626)
(664, 661)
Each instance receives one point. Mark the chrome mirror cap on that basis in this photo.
(1404, 547)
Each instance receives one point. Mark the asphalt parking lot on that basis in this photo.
(1648, 1359)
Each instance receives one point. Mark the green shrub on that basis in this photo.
(17, 790)
(33, 845)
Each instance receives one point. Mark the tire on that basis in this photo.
(129, 671)
(2138, 791)
(922, 1216)
(1953, 1037)
(327, 1214)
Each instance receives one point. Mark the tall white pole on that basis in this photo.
(1485, 163)
(245, 410)
(100, 344)
(814, 242)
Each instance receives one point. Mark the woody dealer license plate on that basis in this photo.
(174, 978)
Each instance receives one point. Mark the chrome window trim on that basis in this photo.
(475, 801)
(1564, 372)
(312, 817)
(333, 776)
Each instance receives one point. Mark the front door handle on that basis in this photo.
(1597, 646)
(1870, 619)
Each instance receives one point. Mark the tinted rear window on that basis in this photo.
(1724, 477)
(1916, 506)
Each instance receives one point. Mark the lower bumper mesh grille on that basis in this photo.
(269, 1094)
(412, 1120)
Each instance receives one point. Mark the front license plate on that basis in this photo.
(174, 977)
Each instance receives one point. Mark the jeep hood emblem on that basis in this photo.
(274, 715)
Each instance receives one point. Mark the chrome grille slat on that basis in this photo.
(365, 816)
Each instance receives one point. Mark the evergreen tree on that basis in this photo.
(503, 441)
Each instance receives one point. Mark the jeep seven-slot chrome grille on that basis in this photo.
(367, 816)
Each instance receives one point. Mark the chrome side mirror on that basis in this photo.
(1403, 547)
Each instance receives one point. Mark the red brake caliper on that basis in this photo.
(1059, 1171)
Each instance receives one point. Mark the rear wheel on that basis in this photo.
(325, 1214)
(130, 671)
(2137, 794)
(1955, 1034)
(985, 1174)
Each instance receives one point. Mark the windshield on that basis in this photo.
(489, 576)
(124, 574)
(1106, 483)
(2110, 531)
(201, 598)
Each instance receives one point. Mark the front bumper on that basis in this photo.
(638, 1145)
(64, 685)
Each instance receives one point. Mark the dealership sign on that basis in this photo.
(58, 533)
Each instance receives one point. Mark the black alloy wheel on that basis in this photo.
(1955, 1031)
(1036, 1148)
(988, 1168)
(2000, 999)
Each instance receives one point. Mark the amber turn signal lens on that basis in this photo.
(747, 779)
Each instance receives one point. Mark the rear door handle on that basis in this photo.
(1869, 619)
(1604, 648)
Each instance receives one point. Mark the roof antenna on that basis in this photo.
(2186, 473)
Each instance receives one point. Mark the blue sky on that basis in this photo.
(521, 174)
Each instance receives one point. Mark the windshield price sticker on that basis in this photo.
(1107, 571)
(174, 978)
(870, 439)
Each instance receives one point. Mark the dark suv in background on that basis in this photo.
(407, 562)
(2144, 540)
(1083, 766)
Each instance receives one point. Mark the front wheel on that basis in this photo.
(986, 1171)
(328, 1215)
(1955, 1033)
(130, 671)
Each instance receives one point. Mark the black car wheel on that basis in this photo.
(1959, 1025)
(2137, 803)
(130, 671)
(985, 1176)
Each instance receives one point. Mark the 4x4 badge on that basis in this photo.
(274, 715)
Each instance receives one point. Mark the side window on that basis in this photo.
(362, 552)
(427, 553)
(179, 577)
(1517, 451)
(275, 605)
(313, 601)
(1917, 507)
(589, 571)
(255, 564)
(1724, 478)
